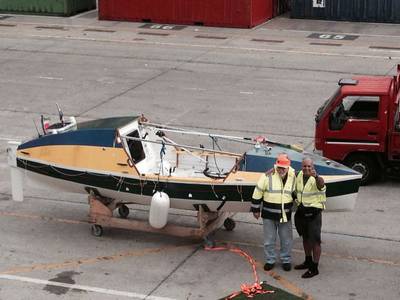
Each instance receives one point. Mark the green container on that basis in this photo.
(47, 7)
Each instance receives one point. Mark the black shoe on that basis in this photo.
(268, 267)
(287, 267)
(310, 273)
(302, 266)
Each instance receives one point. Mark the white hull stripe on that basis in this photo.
(328, 178)
(127, 176)
(83, 287)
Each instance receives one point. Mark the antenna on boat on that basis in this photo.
(60, 113)
(42, 122)
(37, 130)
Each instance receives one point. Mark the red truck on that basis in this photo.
(360, 125)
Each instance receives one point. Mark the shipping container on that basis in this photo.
(224, 13)
(280, 7)
(47, 7)
(382, 11)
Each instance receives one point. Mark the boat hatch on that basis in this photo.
(135, 148)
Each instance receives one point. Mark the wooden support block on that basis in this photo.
(101, 214)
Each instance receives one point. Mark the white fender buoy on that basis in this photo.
(159, 207)
(17, 176)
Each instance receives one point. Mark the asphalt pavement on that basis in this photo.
(269, 80)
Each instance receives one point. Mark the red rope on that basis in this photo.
(249, 290)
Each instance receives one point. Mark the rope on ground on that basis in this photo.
(249, 290)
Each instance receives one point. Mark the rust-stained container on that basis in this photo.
(47, 7)
(224, 13)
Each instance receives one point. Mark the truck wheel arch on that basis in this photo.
(365, 163)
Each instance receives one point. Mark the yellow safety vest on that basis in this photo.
(309, 195)
(272, 190)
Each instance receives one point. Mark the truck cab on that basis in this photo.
(360, 126)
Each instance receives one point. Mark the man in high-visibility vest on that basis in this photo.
(273, 196)
(310, 192)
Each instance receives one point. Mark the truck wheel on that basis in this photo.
(365, 165)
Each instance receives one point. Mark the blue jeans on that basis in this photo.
(284, 230)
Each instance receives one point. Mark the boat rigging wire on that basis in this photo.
(186, 150)
(245, 140)
(171, 143)
(214, 139)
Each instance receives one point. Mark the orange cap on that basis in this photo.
(282, 161)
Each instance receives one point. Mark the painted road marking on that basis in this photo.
(303, 52)
(51, 78)
(349, 257)
(193, 89)
(384, 48)
(4, 138)
(329, 36)
(210, 46)
(68, 221)
(51, 27)
(99, 30)
(326, 44)
(7, 25)
(153, 33)
(83, 288)
(267, 41)
(92, 260)
(163, 26)
(214, 37)
(44, 218)
(286, 283)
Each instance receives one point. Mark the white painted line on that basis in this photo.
(193, 89)
(212, 46)
(341, 33)
(246, 93)
(15, 138)
(51, 78)
(384, 49)
(82, 287)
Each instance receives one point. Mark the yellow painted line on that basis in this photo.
(365, 259)
(42, 218)
(85, 261)
(281, 280)
(349, 257)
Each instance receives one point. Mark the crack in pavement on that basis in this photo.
(258, 67)
(175, 68)
(175, 269)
